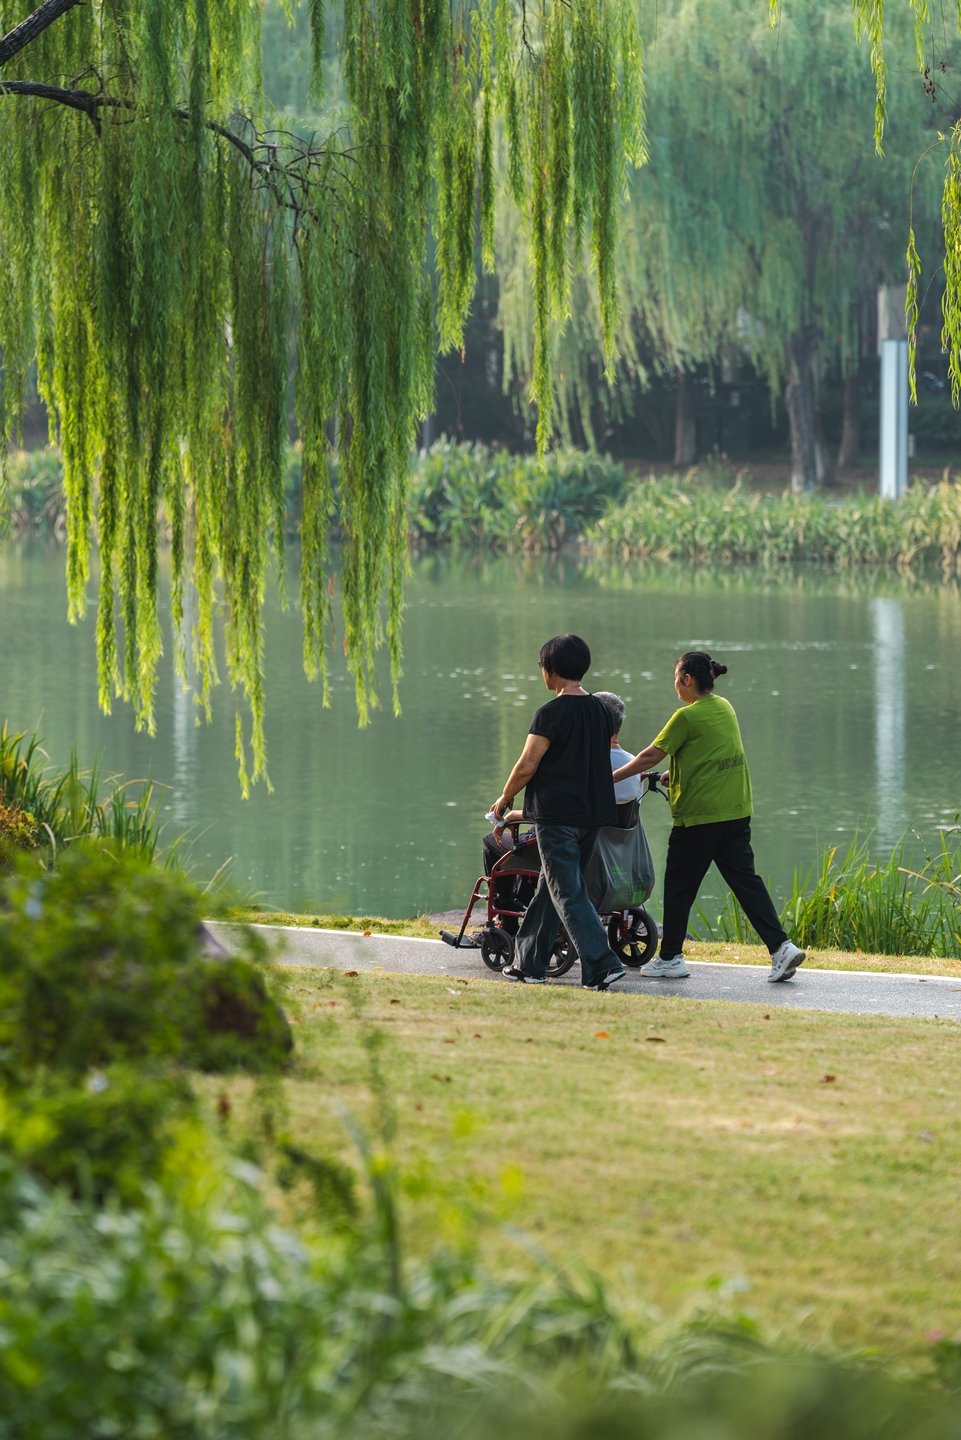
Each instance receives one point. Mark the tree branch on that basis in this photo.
(89, 103)
(14, 41)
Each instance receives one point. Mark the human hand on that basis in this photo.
(665, 777)
(500, 808)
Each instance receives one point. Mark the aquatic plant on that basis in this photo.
(74, 804)
(856, 902)
(675, 519)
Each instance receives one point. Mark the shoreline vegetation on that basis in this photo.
(466, 497)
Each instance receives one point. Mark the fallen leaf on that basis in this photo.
(352, 973)
(656, 1040)
(418, 1107)
(767, 1017)
(719, 1025)
(476, 1035)
(529, 1040)
(395, 1002)
(828, 1079)
(601, 1035)
(448, 1042)
(367, 934)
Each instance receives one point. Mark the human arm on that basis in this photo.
(646, 760)
(531, 756)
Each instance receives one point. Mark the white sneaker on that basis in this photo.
(784, 962)
(662, 969)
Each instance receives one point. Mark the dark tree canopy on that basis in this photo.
(161, 244)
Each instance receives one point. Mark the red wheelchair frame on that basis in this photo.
(632, 933)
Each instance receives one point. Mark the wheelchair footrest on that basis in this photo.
(450, 939)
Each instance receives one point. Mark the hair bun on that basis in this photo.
(717, 669)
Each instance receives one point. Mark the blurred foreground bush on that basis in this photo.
(107, 1001)
(197, 1317)
(148, 1290)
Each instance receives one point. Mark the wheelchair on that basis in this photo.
(509, 888)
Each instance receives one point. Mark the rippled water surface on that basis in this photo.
(847, 691)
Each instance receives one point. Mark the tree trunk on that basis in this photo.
(823, 454)
(809, 462)
(685, 430)
(850, 451)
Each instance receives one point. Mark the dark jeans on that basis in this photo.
(561, 898)
(690, 851)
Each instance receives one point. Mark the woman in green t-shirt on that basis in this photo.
(710, 790)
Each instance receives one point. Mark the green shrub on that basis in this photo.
(106, 1001)
(100, 963)
(469, 495)
(104, 1137)
(18, 831)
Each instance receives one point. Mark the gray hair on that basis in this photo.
(615, 705)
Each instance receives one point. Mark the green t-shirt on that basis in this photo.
(709, 774)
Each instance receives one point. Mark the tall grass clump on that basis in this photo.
(465, 495)
(50, 808)
(849, 901)
(678, 519)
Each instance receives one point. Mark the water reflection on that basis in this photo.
(827, 674)
(887, 616)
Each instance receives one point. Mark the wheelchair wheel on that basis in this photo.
(497, 948)
(563, 956)
(641, 941)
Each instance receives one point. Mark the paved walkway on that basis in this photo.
(860, 992)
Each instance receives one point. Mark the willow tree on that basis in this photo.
(764, 209)
(160, 244)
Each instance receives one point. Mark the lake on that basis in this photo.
(846, 688)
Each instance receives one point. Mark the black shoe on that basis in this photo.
(606, 981)
(512, 973)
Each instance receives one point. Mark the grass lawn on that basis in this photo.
(810, 1161)
(425, 927)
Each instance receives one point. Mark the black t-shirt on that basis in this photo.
(572, 784)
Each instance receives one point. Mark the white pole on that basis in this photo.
(893, 468)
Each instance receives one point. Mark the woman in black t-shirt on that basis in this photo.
(565, 772)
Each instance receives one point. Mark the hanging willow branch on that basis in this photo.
(165, 254)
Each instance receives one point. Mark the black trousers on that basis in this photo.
(690, 851)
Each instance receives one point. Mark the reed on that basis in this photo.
(74, 804)
(678, 519)
(850, 901)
